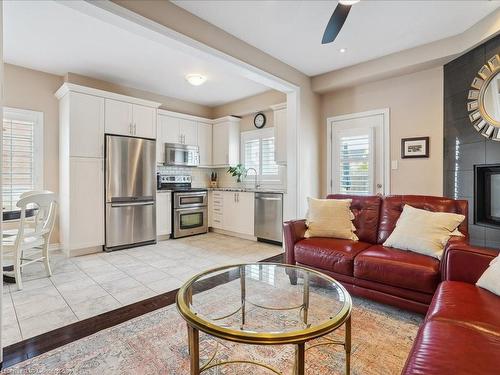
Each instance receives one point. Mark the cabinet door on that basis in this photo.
(169, 128)
(205, 144)
(163, 213)
(86, 219)
(280, 136)
(189, 132)
(244, 222)
(220, 149)
(230, 212)
(86, 125)
(118, 117)
(144, 120)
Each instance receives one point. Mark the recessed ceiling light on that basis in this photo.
(196, 79)
(348, 2)
(343, 50)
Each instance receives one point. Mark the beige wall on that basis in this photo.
(34, 90)
(251, 104)
(246, 122)
(168, 103)
(416, 109)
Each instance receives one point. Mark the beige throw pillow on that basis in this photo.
(490, 279)
(423, 231)
(330, 218)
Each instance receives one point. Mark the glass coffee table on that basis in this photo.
(264, 304)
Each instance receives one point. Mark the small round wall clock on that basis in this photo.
(259, 120)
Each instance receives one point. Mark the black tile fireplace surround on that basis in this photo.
(487, 195)
(465, 148)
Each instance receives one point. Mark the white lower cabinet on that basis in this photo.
(233, 211)
(163, 213)
(82, 204)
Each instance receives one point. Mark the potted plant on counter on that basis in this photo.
(237, 171)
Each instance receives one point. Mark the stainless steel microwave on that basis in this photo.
(182, 155)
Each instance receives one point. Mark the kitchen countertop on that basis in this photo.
(248, 190)
(235, 189)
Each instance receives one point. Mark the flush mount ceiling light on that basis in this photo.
(343, 50)
(348, 2)
(196, 79)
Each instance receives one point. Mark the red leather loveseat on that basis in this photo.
(460, 334)
(366, 268)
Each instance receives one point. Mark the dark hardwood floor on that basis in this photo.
(45, 342)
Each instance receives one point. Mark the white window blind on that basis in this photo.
(22, 154)
(258, 153)
(353, 162)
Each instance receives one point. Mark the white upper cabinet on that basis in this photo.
(169, 129)
(118, 117)
(188, 132)
(280, 117)
(144, 121)
(226, 142)
(205, 144)
(85, 128)
(178, 130)
(130, 119)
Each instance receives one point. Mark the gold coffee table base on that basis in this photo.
(300, 349)
(237, 333)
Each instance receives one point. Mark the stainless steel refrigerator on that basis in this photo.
(130, 188)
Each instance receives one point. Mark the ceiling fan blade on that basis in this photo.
(335, 24)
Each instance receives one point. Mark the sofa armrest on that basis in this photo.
(293, 232)
(462, 262)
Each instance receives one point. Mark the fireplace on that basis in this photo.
(487, 195)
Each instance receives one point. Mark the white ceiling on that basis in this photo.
(291, 31)
(48, 36)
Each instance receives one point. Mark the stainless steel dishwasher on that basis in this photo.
(269, 217)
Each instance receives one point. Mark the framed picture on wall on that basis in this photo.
(417, 147)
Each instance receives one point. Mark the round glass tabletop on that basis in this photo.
(264, 303)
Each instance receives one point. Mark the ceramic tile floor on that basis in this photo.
(82, 287)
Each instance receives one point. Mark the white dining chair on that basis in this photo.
(33, 234)
(29, 221)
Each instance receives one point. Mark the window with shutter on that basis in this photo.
(258, 152)
(22, 149)
(353, 153)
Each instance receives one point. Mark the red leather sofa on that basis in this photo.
(367, 268)
(460, 334)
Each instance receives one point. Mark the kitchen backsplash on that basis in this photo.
(201, 176)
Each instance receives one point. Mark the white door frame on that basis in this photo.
(386, 141)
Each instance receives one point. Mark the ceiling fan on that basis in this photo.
(337, 20)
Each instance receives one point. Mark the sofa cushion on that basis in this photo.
(444, 347)
(392, 206)
(366, 210)
(463, 302)
(330, 254)
(400, 268)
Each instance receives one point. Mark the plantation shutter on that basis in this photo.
(269, 166)
(353, 156)
(18, 160)
(258, 152)
(252, 154)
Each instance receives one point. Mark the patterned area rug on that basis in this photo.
(156, 343)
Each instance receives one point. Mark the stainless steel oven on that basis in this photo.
(182, 155)
(190, 214)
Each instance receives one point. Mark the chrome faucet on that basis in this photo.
(257, 185)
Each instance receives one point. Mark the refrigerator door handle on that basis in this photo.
(126, 204)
